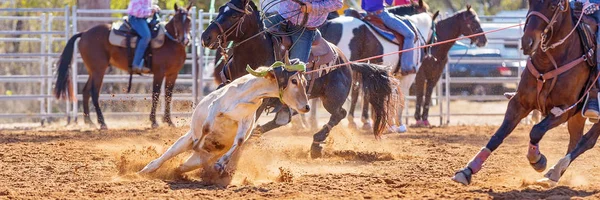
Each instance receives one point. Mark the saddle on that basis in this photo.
(121, 30)
(321, 52)
(587, 32)
(377, 24)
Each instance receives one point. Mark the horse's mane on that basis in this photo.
(255, 11)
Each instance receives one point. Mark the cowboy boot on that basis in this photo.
(592, 109)
(140, 69)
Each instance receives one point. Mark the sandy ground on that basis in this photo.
(77, 162)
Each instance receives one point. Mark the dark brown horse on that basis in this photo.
(242, 20)
(98, 54)
(331, 32)
(555, 80)
(463, 23)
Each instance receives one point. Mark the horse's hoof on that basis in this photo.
(352, 125)
(103, 127)
(316, 150)
(367, 127)
(401, 129)
(558, 169)
(155, 125)
(540, 165)
(220, 168)
(546, 183)
(463, 176)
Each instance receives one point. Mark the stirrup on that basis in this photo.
(592, 114)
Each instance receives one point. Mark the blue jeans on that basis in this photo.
(301, 41)
(140, 25)
(392, 22)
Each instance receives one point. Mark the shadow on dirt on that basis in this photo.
(42, 136)
(560, 192)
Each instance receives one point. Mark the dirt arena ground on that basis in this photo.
(75, 163)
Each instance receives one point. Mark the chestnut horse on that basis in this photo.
(554, 83)
(97, 54)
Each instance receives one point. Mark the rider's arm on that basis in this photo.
(326, 6)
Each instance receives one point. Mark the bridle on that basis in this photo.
(469, 21)
(174, 39)
(235, 27)
(545, 45)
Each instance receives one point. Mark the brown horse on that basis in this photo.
(98, 54)
(555, 80)
(466, 23)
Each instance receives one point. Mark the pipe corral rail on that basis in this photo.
(199, 59)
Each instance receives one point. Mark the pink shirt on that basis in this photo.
(140, 8)
(401, 2)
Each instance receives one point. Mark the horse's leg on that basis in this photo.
(353, 100)
(587, 142)
(575, 126)
(98, 76)
(535, 157)
(313, 114)
(335, 94)
(366, 120)
(405, 82)
(87, 93)
(184, 143)
(169, 84)
(333, 105)
(419, 92)
(195, 161)
(514, 113)
(156, 84)
(427, 102)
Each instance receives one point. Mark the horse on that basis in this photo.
(555, 83)
(358, 40)
(464, 23)
(239, 21)
(223, 120)
(97, 54)
(408, 9)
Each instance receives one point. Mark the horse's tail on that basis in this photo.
(378, 85)
(64, 86)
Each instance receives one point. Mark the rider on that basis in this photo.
(139, 11)
(376, 7)
(592, 110)
(293, 12)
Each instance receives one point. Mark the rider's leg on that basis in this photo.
(141, 27)
(407, 61)
(592, 110)
(272, 20)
